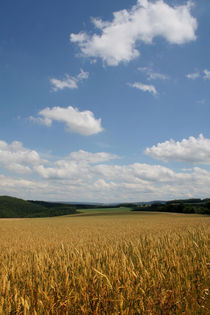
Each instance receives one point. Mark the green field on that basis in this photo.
(103, 211)
(108, 261)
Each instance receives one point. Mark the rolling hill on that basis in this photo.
(11, 207)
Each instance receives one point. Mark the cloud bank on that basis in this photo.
(117, 41)
(83, 123)
(88, 176)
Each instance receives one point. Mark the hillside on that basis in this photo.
(11, 207)
(198, 206)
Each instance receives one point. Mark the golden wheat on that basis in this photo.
(130, 264)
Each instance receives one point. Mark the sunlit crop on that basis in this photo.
(122, 264)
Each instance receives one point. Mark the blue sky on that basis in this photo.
(104, 101)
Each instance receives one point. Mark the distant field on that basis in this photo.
(103, 211)
(96, 263)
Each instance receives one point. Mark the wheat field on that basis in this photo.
(121, 264)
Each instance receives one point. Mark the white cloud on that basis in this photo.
(92, 158)
(152, 75)
(196, 75)
(193, 76)
(144, 87)
(76, 165)
(206, 74)
(109, 183)
(69, 81)
(14, 157)
(23, 188)
(42, 121)
(137, 173)
(191, 150)
(86, 176)
(117, 40)
(83, 123)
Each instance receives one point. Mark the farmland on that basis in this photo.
(97, 263)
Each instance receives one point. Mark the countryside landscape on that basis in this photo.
(103, 260)
(104, 157)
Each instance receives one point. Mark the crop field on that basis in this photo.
(125, 263)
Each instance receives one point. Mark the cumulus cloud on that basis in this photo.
(16, 158)
(117, 41)
(83, 122)
(70, 82)
(191, 150)
(87, 176)
(152, 75)
(76, 165)
(93, 166)
(137, 173)
(144, 87)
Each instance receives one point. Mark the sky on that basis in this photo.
(105, 101)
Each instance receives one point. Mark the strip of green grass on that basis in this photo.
(103, 211)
